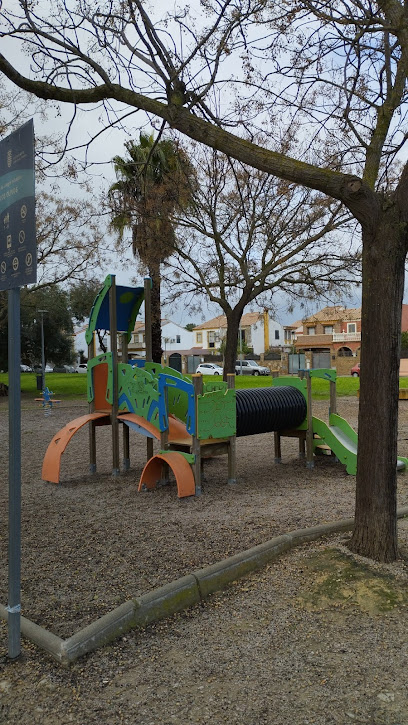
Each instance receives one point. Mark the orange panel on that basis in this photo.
(100, 383)
(180, 467)
(52, 459)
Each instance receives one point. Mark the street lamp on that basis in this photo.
(42, 313)
(166, 340)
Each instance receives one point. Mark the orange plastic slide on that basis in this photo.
(52, 459)
(177, 429)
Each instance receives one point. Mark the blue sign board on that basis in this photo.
(18, 248)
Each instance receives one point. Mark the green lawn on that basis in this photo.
(70, 386)
(67, 386)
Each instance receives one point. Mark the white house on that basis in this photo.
(258, 330)
(174, 338)
(80, 343)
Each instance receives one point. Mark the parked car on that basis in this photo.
(209, 369)
(47, 369)
(355, 371)
(82, 368)
(250, 367)
(65, 369)
(25, 369)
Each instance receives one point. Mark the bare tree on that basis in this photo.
(247, 235)
(70, 239)
(336, 72)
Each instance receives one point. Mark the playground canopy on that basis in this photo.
(128, 303)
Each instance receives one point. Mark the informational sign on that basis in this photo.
(18, 248)
(18, 267)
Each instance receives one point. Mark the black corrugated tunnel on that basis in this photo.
(263, 410)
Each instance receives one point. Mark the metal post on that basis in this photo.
(125, 428)
(42, 350)
(91, 409)
(114, 352)
(197, 380)
(309, 432)
(14, 585)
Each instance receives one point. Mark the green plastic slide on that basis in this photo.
(342, 439)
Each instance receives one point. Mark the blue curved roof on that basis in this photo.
(128, 302)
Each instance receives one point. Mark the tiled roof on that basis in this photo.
(333, 314)
(214, 324)
(294, 325)
(248, 319)
(251, 318)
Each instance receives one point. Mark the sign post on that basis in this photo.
(18, 267)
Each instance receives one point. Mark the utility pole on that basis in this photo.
(42, 312)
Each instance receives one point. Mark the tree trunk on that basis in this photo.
(154, 271)
(230, 355)
(384, 251)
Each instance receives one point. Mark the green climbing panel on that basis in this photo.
(216, 414)
(138, 393)
(177, 400)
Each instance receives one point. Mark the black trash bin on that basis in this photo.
(39, 382)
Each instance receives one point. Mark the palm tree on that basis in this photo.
(152, 183)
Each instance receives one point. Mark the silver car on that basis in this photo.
(250, 367)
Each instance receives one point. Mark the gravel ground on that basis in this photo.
(293, 644)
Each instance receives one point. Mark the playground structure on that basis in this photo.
(192, 420)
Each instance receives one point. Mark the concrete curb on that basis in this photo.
(215, 577)
(41, 637)
(100, 632)
(167, 600)
(174, 597)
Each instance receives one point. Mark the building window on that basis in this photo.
(328, 329)
(178, 338)
(311, 330)
(211, 339)
(351, 327)
(345, 352)
(276, 334)
(199, 337)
